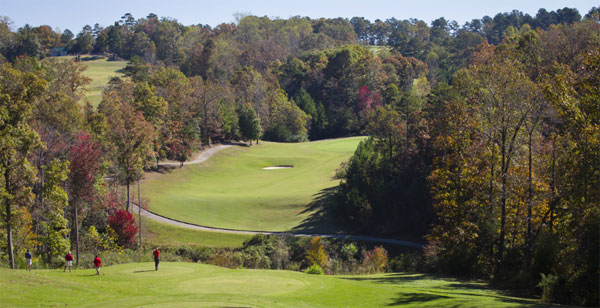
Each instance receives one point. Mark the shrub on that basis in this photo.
(349, 251)
(553, 289)
(406, 262)
(124, 225)
(375, 260)
(227, 258)
(316, 252)
(195, 253)
(277, 132)
(255, 257)
(314, 270)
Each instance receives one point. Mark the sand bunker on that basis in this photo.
(278, 167)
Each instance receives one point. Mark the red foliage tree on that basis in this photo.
(84, 157)
(124, 225)
(368, 99)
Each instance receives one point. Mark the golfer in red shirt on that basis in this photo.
(68, 261)
(97, 263)
(156, 254)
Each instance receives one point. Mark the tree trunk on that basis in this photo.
(503, 197)
(9, 222)
(127, 196)
(139, 215)
(529, 198)
(391, 147)
(9, 235)
(407, 126)
(76, 233)
(492, 169)
(553, 184)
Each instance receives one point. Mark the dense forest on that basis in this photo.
(484, 138)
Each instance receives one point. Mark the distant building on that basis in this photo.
(58, 52)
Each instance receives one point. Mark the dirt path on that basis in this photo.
(203, 156)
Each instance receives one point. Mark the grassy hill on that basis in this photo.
(100, 70)
(198, 285)
(231, 190)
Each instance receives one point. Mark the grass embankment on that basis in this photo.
(159, 234)
(231, 190)
(198, 285)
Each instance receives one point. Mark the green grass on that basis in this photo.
(100, 71)
(376, 49)
(231, 190)
(163, 235)
(198, 285)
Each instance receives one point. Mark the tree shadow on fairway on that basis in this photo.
(394, 278)
(321, 218)
(445, 288)
(416, 298)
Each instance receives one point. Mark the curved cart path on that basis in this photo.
(203, 156)
(206, 155)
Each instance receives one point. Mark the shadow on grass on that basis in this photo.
(321, 218)
(144, 271)
(449, 288)
(395, 278)
(416, 298)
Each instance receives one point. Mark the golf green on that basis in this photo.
(232, 190)
(198, 285)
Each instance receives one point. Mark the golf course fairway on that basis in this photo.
(199, 285)
(232, 190)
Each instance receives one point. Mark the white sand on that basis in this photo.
(277, 167)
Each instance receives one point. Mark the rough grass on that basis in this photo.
(198, 285)
(156, 233)
(231, 190)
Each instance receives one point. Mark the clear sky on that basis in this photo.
(73, 15)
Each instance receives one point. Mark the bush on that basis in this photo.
(314, 270)
(375, 260)
(316, 252)
(349, 251)
(553, 289)
(277, 132)
(406, 262)
(195, 254)
(124, 225)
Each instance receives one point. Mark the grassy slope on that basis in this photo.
(100, 71)
(163, 235)
(198, 285)
(232, 191)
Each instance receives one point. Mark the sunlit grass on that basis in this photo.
(198, 285)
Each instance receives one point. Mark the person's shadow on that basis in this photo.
(144, 271)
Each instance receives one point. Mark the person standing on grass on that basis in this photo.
(28, 260)
(156, 254)
(68, 261)
(97, 263)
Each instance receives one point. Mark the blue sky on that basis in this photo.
(73, 15)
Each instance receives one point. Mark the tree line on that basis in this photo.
(484, 138)
(498, 170)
